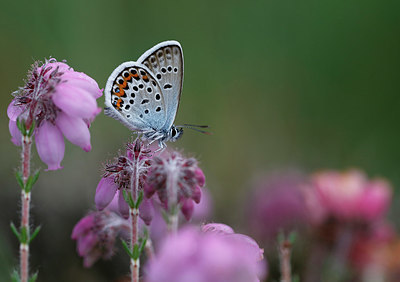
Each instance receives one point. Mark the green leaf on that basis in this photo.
(292, 237)
(18, 175)
(15, 276)
(34, 234)
(21, 127)
(142, 245)
(128, 199)
(24, 235)
(31, 181)
(30, 132)
(135, 252)
(15, 231)
(33, 278)
(126, 248)
(139, 199)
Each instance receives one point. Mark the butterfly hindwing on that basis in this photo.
(134, 97)
(165, 61)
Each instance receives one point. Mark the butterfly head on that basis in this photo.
(175, 133)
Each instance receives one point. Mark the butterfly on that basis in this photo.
(144, 95)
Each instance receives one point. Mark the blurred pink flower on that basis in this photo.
(61, 102)
(351, 196)
(277, 204)
(191, 255)
(96, 234)
(185, 179)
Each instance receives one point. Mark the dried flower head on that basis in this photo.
(58, 101)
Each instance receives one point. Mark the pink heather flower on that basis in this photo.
(351, 196)
(117, 177)
(96, 233)
(183, 177)
(61, 102)
(191, 255)
(277, 204)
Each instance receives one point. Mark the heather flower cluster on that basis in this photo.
(341, 216)
(95, 235)
(177, 181)
(57, 101)
(168, 182)
(117, 177)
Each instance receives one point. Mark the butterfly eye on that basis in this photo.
(116, 89)
(125, 74)
(120, 80)
(132, 71)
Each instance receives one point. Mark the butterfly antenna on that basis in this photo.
(194, 127)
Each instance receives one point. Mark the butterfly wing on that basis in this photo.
(165, 61)
(134, 97)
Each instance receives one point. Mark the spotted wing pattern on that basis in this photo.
(134, 97)
(165, 61)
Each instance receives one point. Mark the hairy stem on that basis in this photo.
(134, 214)
(25, 198)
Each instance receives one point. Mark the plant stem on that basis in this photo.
(285, 249)
(134, 214)
(25, 198)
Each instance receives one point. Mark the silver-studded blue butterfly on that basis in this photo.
(144, 95)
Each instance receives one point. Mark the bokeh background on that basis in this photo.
(304, 85)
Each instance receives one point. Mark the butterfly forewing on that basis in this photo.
(165, 61)
(136, 97)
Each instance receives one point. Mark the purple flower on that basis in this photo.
(277, 204)
(61, 102)
(96, 233)
(117, 177)
(177, 181)
(191, 255)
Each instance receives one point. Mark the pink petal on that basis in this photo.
(81, 80)
(187, 208)
(105, 192)
(123, 206)
(14, 111)
(196, 196)
(75, 101)
(50, 145)
(16, 136)
(217, 228)
(146, 211)
(86, 243)
(82, 226)
(201, 179)
(75, 130)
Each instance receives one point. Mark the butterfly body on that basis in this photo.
(144, 95)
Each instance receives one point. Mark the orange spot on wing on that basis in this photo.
(145, 77)
(119, 104)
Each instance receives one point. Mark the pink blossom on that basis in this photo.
(96, 233)
(61, 102)
(351, 196)
(191, 255)
(176, 180)
(277, 204)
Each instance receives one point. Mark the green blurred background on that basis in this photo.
(283, 84)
